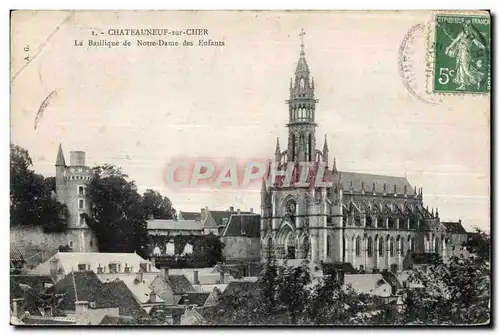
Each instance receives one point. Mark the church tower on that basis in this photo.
(294, 215)
(302, 108)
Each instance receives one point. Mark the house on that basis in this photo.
(241, 238)
(170, 287)
(89, 300)
(191, 216)
(167, 315)
(215, 221)
(370, 283)
(62, 263)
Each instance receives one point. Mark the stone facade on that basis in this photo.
(71, 183)
(370, 221)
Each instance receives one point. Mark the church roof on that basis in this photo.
(357, 180)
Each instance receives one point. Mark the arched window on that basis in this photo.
(344, 248)
(381, 246)
(403, 251)
(412, 245)
(380, 222)
(370, 247)
(294, 149)
(329, 246)
(358, 246)
(391, 247)
(309, 148)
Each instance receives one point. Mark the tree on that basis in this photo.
(117, 215)
(31, 198)
(479, 243)
(211, 248)
(156, 206)
(456, 292)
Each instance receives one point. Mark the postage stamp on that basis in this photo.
(462, 54)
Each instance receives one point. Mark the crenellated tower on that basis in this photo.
(71, 185)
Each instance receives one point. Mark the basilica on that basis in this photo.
(370, 221)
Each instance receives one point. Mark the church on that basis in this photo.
(370, 221)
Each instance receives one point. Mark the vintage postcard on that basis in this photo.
(250, 168)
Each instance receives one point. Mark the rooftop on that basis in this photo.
(174, 225)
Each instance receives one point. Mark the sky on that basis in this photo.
(142, 107)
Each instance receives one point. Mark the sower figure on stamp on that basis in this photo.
(460, 48)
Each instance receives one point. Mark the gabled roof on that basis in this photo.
(174, 225)
(35, 282)
(190, 216)
(218, 216)
(243, 225)
(236, 287)
(81, 286)
(159, 313)
(454, 227)
(358, 179)
(179, 284)
(117, 292)
(372, 284)
(193, 298)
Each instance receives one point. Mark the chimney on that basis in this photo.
(239, 211)
(165, 272)
(231, 209)
(54, 262)
(153, 297)
(18, 307)
(251, 210)
(82, 312)
(221, 280)
(153, 262)
(139, 276)
(195, 277)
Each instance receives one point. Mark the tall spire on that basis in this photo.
(302, 67)
(325, 151)
(334, 168)
(60, 157)
(277, 152)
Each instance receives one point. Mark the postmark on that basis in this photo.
(461, 59)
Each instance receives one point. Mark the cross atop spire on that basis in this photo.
(301, 34)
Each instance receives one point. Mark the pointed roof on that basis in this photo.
(302, 64)
(334, 168)
(325, 146)
(60, 157)
(278, 145)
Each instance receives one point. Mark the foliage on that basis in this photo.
(31, 198)
(479, 243)
(117, 215)
(156, 206)
(457, 292)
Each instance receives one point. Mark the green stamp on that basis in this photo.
(462, 54)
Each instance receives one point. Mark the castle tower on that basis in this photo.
(71, 184)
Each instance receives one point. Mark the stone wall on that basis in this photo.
(241, 248)
(82, 240)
